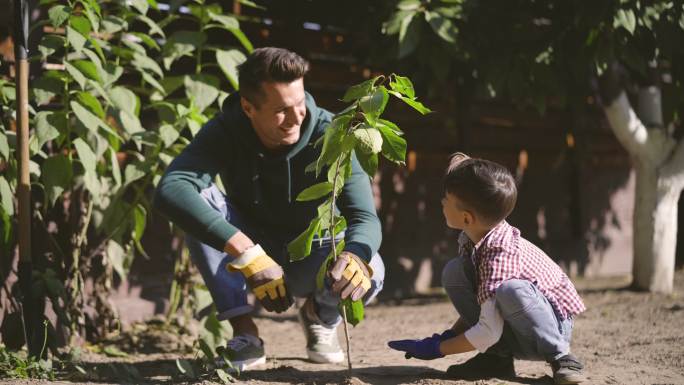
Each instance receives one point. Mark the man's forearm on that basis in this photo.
(458, 344)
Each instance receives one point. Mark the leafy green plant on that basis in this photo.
(358, 131)
(107, 120)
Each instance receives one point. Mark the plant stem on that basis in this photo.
(331, 231)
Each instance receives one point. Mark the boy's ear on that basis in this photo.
(468, 218)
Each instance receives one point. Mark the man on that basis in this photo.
(260, 144)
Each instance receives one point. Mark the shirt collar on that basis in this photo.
(464, 241)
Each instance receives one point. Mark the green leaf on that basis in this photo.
(76, 40)
(140, 5)
(409, 34)
(180, 44)
(224, 376)
(133, 172)
(342, 175)
(56, 174)
(368, 161)
(206, 349)
(242, 38)
(153, 26)
(75, 74)
(625, 18)
(408, 5)
(154, 83)
(116, 171)
(402, 85)
(393, 146)
(58, 14)
(315, 192)
(50, 44)
(6, 198)
(418, 106)
(45, 88)
(359, 90)
(89, 120)
(88, 68)
(442, 26)
(91, 103)
(116, 256)
(144, 62)
(85, 154)
(147, 40)
(113, 24)
(369, 140)
(93, 18)
(48, 125)
(354, 310)
(202, 90)
(4, 146)
(80, 24)
(300, 247)
(252, 4)
(228, 61)
(229, 22)
(140, 219)
(168, 134)
(394, 24)
(125, 100)
(374, 105)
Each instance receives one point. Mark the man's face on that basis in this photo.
(278, 117)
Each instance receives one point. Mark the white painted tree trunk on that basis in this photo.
(659, 162)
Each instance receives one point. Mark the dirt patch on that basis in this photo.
(625, 337)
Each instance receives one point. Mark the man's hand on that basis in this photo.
(264, 277)
(351, 276)
(425, 349)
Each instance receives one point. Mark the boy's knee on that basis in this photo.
(515, 294)
(453, 273)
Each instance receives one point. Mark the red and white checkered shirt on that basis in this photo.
(503, 254)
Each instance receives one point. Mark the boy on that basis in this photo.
(513, 300)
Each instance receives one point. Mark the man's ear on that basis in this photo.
(247, 107)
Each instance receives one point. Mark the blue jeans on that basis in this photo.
(532, 328)
(229, 290)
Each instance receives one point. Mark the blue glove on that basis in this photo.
(425, 349)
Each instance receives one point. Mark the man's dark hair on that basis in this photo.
(269, 64)
(485, 187)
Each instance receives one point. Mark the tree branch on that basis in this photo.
(628, 128)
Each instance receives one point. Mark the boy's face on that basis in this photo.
(455, 216)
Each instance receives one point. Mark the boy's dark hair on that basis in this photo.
(485, 187)
(269, 64)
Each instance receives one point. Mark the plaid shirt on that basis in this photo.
(503, 254)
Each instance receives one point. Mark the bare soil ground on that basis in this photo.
(625, 337)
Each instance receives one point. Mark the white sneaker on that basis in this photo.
(244, 353)
(322, 345)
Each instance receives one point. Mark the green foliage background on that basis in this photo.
(123, 88)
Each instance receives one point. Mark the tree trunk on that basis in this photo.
(659, 162)
(655, 231)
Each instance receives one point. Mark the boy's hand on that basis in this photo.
(265, 277)
(425, 349)
(351, 276)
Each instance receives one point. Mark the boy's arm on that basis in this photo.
(481, 336)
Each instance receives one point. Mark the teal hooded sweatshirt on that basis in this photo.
(262, 185)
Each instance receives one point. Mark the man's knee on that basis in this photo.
(453, 273)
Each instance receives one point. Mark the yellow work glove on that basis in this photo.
(351, 276)
(264, 277)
